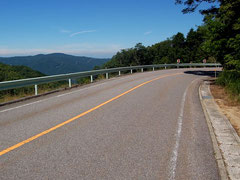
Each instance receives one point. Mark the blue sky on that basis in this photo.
(97, 28)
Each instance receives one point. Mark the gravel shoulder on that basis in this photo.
(225, 139)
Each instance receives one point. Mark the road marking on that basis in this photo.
(23, 105)
(61, 95)
(174, 157)
(80, 115)
(51, 98)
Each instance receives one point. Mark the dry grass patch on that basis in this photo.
(228, 104)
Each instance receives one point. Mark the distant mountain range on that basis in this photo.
(56, 63)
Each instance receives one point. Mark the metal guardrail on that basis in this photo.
(46, 79)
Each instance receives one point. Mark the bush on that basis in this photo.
(231, 80)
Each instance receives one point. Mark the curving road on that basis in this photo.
(142, 126)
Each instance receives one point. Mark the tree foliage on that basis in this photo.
(192, 5)
(188, 49)
(218, 39)
(222, 30)
(8, 72)
(222, 38)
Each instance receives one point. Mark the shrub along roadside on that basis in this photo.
(13, 94)
(230, 79)
(9, 72)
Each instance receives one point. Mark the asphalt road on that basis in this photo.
(142, 126)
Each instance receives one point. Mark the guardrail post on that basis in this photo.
(70, 83)
(91, 77)
(36, 89)
(71, 78)
(215, 70)
(119, 73)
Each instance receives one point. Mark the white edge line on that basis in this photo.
(61, 95)
(51, 98)
(174, 157)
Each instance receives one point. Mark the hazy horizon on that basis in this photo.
(88, 28)
(10, 56)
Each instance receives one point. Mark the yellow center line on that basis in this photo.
(78, 116)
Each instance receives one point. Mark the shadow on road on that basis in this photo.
(203, 73)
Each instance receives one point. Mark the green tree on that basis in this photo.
(222, 27)
(178, 45)
(160, 50)
(141, 54)
(194, 41)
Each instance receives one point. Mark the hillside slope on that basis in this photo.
(8, 72)
(56, 63)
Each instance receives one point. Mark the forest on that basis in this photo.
(216, 40)
(189, 49)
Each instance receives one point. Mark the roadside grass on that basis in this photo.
(18, 93)
(228, 104)
(230, 79)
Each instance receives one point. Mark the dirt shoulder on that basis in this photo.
(229, 107)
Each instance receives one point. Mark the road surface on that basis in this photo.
(142, 126)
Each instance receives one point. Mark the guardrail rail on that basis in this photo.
(46, 79)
